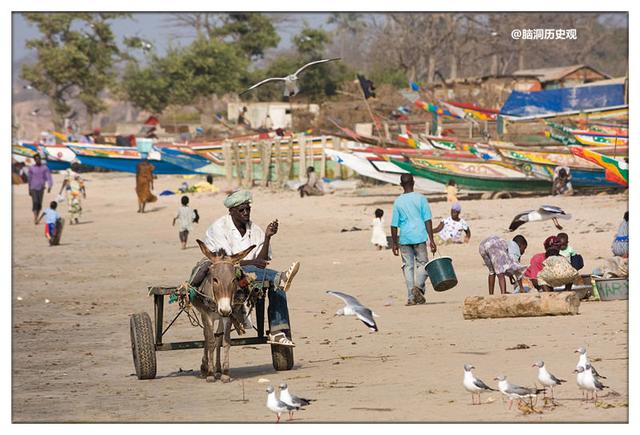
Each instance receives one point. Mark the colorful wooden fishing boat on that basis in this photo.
(57, 157)
(123, 159)
(617, 171)
(543, 163)
(478, 176)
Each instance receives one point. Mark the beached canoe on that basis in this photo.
(542, 164)
(489, 177)
(123, 159)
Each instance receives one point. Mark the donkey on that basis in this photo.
(219, 286)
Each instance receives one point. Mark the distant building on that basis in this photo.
(492, 91)
(564, 76)
(279, 112)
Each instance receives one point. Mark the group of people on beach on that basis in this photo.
(557, 266)
(73, 191)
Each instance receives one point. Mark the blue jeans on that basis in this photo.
(414, 260)
(277, 311)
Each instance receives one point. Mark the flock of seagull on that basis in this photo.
(587, 379)
(287, 402)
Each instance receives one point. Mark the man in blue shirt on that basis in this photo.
(412, 215)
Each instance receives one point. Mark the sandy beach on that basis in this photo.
(72, 357)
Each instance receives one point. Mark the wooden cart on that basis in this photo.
(146, 341)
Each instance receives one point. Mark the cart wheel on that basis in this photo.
(142, 345)
(282, 356)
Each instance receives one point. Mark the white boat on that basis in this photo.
(367, 168)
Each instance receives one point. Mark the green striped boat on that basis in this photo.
(477, 183)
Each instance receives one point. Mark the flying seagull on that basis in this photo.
(34, 112)
(290, 81)
(546, 378)
(354, 308)
(544, 213)
(473, 384)
(277, 406)
(515, 391)
(292, 400)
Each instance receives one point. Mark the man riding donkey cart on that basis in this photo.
(235, 238)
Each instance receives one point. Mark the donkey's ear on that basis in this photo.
(205, 250)
(240, 255)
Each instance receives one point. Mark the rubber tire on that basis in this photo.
(282, 356)
(142, 345)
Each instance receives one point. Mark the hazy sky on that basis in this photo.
(156, 28)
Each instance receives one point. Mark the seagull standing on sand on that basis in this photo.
(277, 406)
(516, 391)
(354, 308)
(544, 213)
(587, 382)
(290, 81)
(292, 400)
(583, 361)
(473, 384)
(546, 378)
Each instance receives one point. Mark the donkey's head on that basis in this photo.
(222, 276)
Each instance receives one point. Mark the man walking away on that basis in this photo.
(412, 215)
(39, 175)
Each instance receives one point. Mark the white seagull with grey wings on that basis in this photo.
(547, 379)
(276, 405)
(353, 307)
(516, 391)
(473, 384)
(544, 213)
(291, 81)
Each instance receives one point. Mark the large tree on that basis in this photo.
(185, 76)
(252, 33)
(75, 58)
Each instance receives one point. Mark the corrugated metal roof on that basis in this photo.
(557, 73)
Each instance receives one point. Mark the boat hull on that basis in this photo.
(476, 183)
(130, 164)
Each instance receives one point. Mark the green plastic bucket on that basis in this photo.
(441, 273)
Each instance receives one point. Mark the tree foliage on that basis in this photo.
(252, 33)
(75, 59)
(185, 75)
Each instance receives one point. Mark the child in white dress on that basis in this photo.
(378, 235)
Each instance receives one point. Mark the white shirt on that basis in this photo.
(185, 217)
(453, 229)
(223, 234)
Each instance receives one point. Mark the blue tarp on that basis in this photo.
(563, 100)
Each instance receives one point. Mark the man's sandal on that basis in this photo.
(281, 339)
(287, 276)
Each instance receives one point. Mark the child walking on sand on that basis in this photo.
(378, 236)
(52, 223)
(452, 191)
(185, 217)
